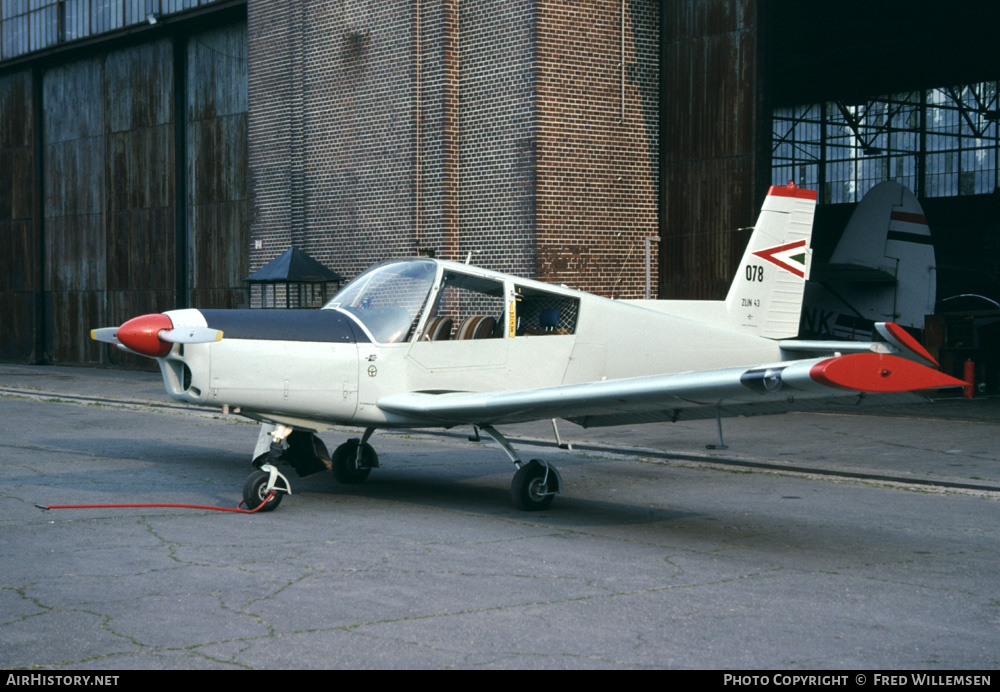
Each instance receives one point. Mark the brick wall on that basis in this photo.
(597, 144)
(380, 130)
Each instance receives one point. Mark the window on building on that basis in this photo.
(30, 25)
(937, 142)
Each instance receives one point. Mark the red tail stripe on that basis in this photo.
(787, 191)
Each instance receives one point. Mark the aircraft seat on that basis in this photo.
(475, 327)
(438, 329)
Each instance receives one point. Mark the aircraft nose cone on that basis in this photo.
(142, 335)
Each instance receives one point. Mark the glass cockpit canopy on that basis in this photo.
(388, 298)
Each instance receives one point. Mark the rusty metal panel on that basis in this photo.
(109, 194)
(137, 84)
(17, 338)
(74, 228)
(710, 138)
(69, 317)
(683, 19)
(139, 197)
(18, 279)
(16, 174)
(701, 240)
(139, 188)
(73, 209)
(217, 167)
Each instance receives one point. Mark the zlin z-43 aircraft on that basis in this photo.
(425, 343)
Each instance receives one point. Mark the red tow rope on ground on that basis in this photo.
(237, 509)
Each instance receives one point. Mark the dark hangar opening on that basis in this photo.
(856, 57)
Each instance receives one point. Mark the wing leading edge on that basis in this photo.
(764, 389)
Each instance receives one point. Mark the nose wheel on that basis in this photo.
(259, 486)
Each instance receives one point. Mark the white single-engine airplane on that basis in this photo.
(427, 343)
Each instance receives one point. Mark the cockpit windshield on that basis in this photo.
(388, 298)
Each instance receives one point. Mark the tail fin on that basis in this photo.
(766, 296)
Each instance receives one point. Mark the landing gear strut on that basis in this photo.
(354, 460)
(535, 484)
(267, 479)
(533, 488)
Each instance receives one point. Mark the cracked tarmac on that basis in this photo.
(645, 562)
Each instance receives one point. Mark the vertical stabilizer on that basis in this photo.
(882, 270)
(766, 296)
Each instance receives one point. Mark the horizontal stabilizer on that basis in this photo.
(897, 341)
(817, 347)
(907, 345)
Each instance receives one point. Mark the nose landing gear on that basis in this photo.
(351, 462)
(260, 485)
(267, 480)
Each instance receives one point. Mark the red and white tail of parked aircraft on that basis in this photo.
(427, 343)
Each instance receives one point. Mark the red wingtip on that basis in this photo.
(876, 372)
(142, 335)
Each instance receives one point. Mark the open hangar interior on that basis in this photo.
(870, 91)
(912, 87)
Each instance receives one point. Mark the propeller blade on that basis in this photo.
(191, 335)
(106, 334)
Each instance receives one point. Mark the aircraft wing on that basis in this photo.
(764, 389)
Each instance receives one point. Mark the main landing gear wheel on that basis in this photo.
(345, 470)
(255, 492)
(534, 486)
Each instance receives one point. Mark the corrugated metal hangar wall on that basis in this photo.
(122, 183)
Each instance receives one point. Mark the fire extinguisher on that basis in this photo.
(969, 376)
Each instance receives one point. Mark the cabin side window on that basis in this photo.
(466, 308)
(540, 313)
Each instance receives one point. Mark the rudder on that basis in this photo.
(765, 297)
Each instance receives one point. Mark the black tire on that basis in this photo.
(254, 495)
(343, 462)
(528, 490)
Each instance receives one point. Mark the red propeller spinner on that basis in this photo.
(142, 335)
